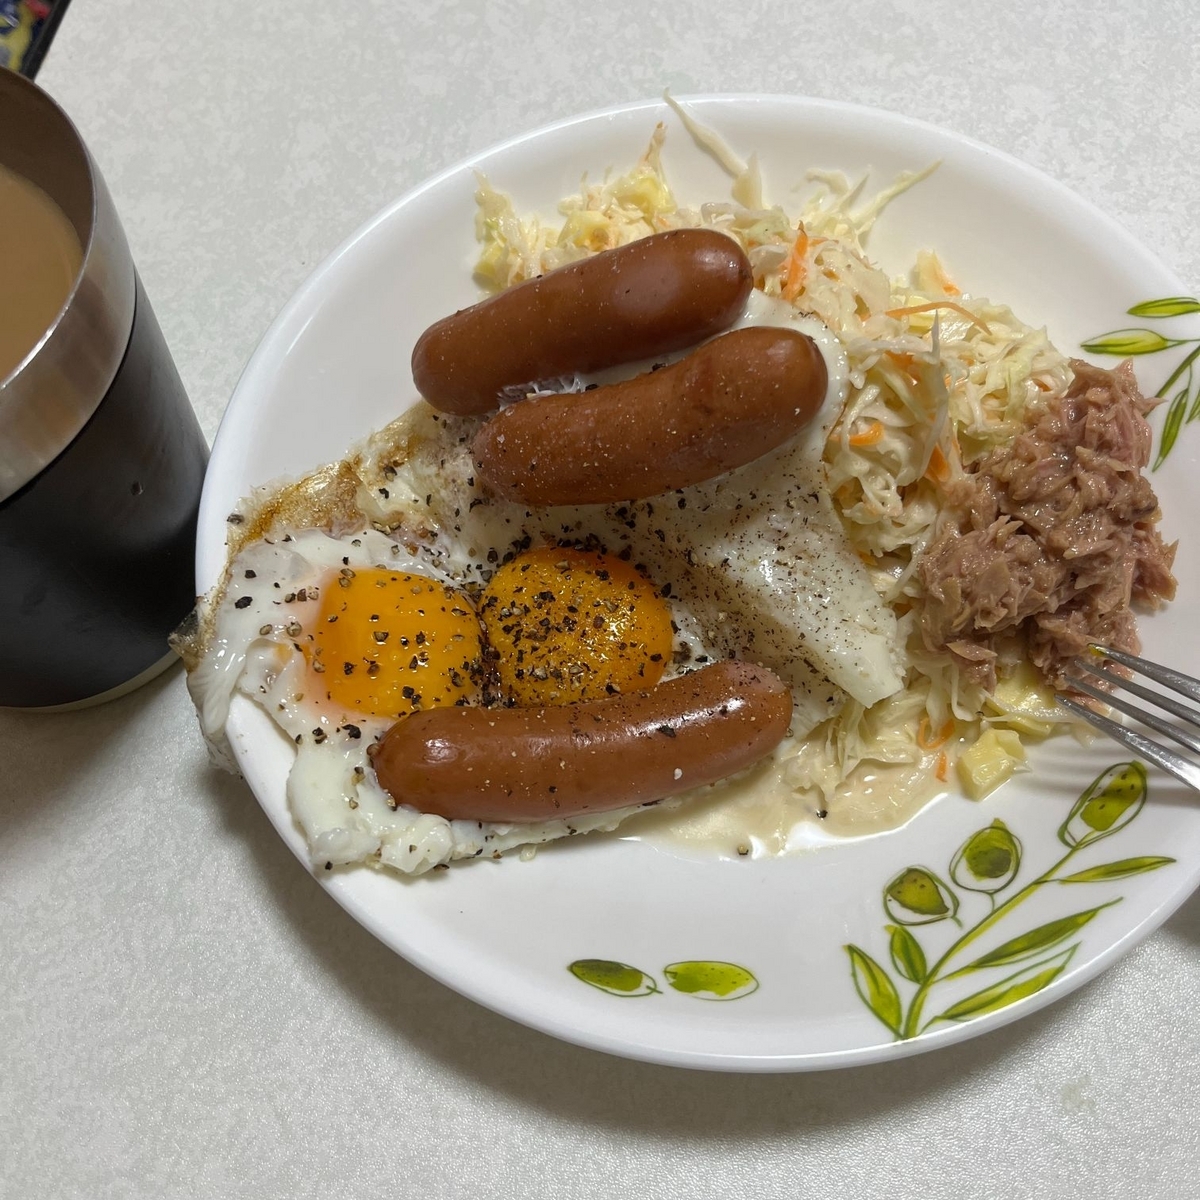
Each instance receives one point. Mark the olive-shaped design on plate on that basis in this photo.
(617, 979)
(988, 860)
(918, 897)
(1114, 798)
(711, 980)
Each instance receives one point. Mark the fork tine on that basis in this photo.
(1177, 681)
(1176, 707)
(1182, 736)
(1143, 747)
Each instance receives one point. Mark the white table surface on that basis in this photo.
(183, 1011)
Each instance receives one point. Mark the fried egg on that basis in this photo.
(337, 637)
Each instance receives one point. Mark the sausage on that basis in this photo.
(536, 764)
(654, 296)
(729, 402)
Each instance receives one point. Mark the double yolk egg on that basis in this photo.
(552, 626)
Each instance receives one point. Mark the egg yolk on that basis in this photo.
(567, 625)
(387, 643)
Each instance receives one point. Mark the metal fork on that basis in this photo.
(1169, 760)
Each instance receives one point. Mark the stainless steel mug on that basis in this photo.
(101, 456)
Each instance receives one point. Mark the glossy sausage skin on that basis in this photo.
(537, 764)
(729, 402)
(654, 296)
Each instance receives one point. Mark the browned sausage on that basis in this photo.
(726, 404)
(657, 295)
(535, 764)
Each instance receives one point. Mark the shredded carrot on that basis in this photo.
(794, 267)
(943, 766)
(869, 436)
(939, 468)
(934, 304)
(923, 738)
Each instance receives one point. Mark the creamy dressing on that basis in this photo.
(762, 816)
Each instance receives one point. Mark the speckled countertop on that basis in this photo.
(183, 1011)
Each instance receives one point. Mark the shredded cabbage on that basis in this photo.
(938, 377)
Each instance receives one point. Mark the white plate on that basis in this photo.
(335, 365)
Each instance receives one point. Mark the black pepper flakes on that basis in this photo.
(243, 602)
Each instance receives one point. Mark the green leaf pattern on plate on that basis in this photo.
(711, 980)
(1112, 800)
(1033, 943)
(875, 988)
(706, 980)
(617, 979)
(983, 869)
(1168, 306)
(988, 860)
(1124, 342)
(1121, 869)
(1138, 340)
(918, 897)
(989, 864)
(1014, 987)
(907, 956)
